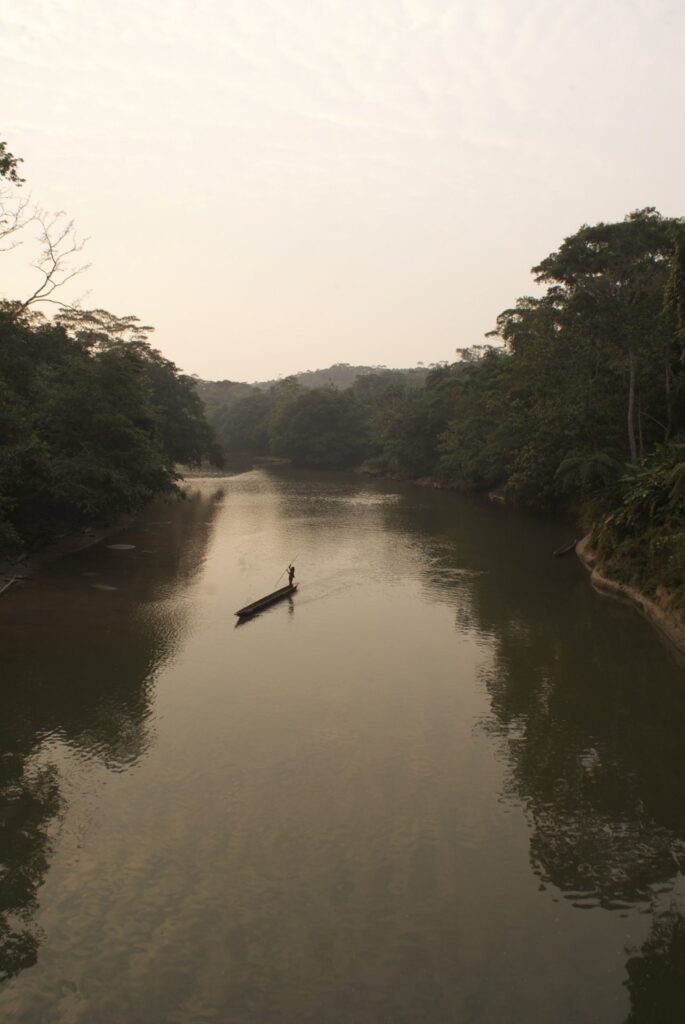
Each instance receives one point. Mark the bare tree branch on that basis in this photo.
(55, 263)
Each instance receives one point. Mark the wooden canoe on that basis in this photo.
(264, 602)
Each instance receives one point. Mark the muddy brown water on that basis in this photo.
(443, 783)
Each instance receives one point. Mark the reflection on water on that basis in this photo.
(72, 674)
(593, 719)
(656, 974)
(441, 783)
(29, 799)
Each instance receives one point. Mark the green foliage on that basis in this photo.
(642, 539)
(382, 418)
(583, 473)
(674, 293)
(318, 428)
(610, 280)
(315, 426)
(411, 422)
(219, 400)
(477, 443)
(9, 165)
(589, 377)
(245, 427)
(92, 419)
(343, 376)
(92, 422)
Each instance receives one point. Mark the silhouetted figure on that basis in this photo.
(291, 575)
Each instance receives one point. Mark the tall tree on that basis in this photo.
(615, 275)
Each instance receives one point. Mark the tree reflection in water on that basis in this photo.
(591, 711)
(585, 765)
(29, 800)
(656, 975)
(596, 754)
(80, 671)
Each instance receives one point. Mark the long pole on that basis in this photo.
(285, 570)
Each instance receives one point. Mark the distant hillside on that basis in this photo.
(226, 393)
(222, 394)
(230, 416)
(343, 375)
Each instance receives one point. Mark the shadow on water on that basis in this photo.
(29, 800)
(589, 708)
(86, 683)
(286, 601)
(656, 974)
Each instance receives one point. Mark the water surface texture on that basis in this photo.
(442, 783)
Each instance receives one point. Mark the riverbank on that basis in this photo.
(669, 622)
(22, 567)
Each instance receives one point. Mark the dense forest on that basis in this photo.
(579, 403)
(343, 375)
(93, 420)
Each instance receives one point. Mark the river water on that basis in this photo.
(442, 783)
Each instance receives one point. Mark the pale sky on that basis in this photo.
(277, 185)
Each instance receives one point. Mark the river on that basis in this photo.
(442, 783)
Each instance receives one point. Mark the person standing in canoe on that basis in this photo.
(291, 575)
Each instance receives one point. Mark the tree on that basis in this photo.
(92, 422)
(243, 427)
(57, 239)
(613, 275)
(318, 427)
(179, 412)
(13, 209)
(483, 427)
(59, 244)
(9, 165)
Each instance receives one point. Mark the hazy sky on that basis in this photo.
(282, 184)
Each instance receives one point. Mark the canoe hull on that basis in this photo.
(264, 602)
